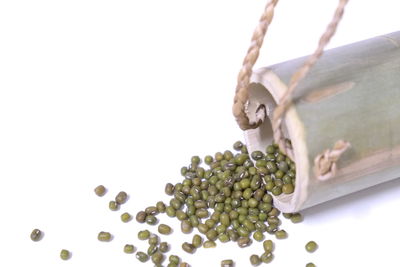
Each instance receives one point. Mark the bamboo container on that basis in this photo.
(351, 94)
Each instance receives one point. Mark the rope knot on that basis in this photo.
(325, 163)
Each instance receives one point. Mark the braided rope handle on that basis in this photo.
(299, 75)
(325, 163)
(242, 95)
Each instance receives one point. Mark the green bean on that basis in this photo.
(189, 248)
(227, 263)
(141, 217)
(104, 236)
(157, 258)
(296, 218)
(268, 246)
(311, 246)
(121, 197)
(281, 234)
(209, 244)
(267, 257)
(152, 249)
(129, 249)
(255, 260)
(141, 256)
(163, 247)
(258, 236)
(144, 235)
(197, 241)
(244, 242)
(164, 229)
(112, 205)
(100, 190)
(36, 235)
(174, 259)
(186, 227)
(65, 254)
(169, 189)
(126, 217)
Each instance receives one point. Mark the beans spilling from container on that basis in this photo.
(230, 200)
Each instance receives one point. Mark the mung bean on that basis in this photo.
(153, 239)
(104, 236)
(227, 263)
(268, 246)
(174, 259)
(244, 242)
(36, 235)
(169, 189)
(65, 254)
(311, 246)
(152, 249)
(144, 235)
(281, 234)
(189, 248)
(163, 247)
(112, 205)
(255, 260)
(296, 218)
(141, 256)
(164, 229)
(121, 197)
(209, 244)
(100, 190)
(197, 241)
(186, 227)
(267, 257)
(126, 217)
(129, 249)
(141, 217)
(151, 219)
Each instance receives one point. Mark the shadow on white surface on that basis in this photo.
(359, 202)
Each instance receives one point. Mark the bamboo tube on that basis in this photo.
(351, 94)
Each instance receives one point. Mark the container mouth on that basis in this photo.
(266, 89)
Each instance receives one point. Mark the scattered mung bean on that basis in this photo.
(164, 229)
(129, 249)
(281, 234)
(100, 190)
(65, 254)
(174, 259)
(36, 235)
(114, 206)
(163, 247)
(227, 263)
(267, 257)
(209, 244)
(311, 246)
(189, 248)
(121, 198)
(126, 217)
(104, 236)
(144, 234)
(141, 256)
(268, 246)
(141, 217)
(255, 260)
(244, 242)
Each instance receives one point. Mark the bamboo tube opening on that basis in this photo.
(266, 89)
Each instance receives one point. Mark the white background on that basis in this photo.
(123, 93)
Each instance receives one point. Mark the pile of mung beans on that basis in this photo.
(228, 199)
